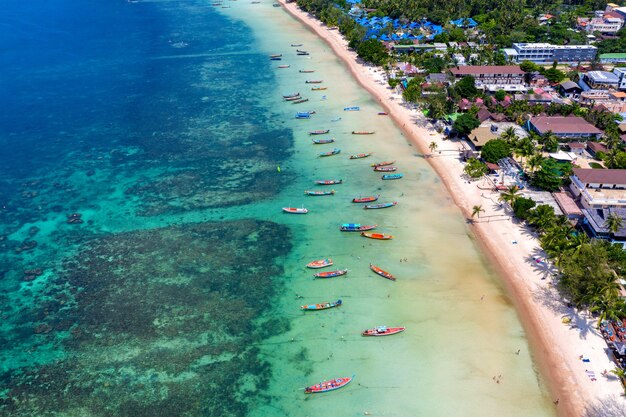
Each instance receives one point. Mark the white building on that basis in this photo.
(548, 53)
(604, 25)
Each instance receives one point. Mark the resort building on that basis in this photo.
(621, 75)
(564, 127)
(605, 25)
(548, 53)
(493, 77)
(570, 89)
(601, 80)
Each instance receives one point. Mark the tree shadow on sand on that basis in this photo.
(606, 407)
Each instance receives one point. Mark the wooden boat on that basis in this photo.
(284, 66)
(331, 274)
(276, 55)
(383, 331)
(302, 53)
(356, 227)
(380, 205)
(295, 210)
(314, 81)
(328, 182)
(382, 272)
(382, 113)
(335, 151)
(319, 132)
(387, 168)
(303, 115)
(368, 199)
(326, 386)
(296, 44)
(382, 164)
(379, 236)
(307, 71)
(322, 306)
(323, 141)
(361, 155)
(363, 132)
(319, 88)
(276, 58)
(298, 50)
(353, 108)
(291, 95)
(294, 98)
(320, 263)
(318, 193)
(336, 119)
(275, 4)
(302, 100)
(392, 176)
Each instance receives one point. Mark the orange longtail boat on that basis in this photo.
(382, 164)
(382, 272)
(379, 236)
(320, 263)
(368, 199)
(331, 274)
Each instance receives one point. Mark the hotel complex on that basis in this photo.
(548, 53)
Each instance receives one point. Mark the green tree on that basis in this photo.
(465, 123)
(528, 66)
(494, 150)
(510, 195)
(542, 217)
(522, 207)
(500, 95)
(432, 146)
(474, 168)
(509, 135)
(466, 87)
(614, 223)
(372, 51)
(476, 210)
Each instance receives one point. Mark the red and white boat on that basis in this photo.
(295, 210)
(328, 182)
(325, 386)
(379, 236)
(382, 272)
(363, 132)
(383, 331)
(387, 168)
(331, 274)
(382, 164)
(320, 263)
(368, 199)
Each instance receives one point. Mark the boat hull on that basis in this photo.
(331, 274)
(321, 263)
(382, 272)
(387, 331)
(295, 210)
(327, 386)
(321, 306)
(379, 206)
(365, 199)
(355, 227)
(378, 236)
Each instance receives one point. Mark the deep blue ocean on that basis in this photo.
(119, 122)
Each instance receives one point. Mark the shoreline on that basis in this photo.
(507, 244)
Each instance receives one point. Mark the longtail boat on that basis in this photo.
(382, 331)
(302, 100)
(356, 227)
(379, 236)
(382, 113)
(318, 193)
(328, 182)
(382, 272)
(392, 176)
(380, 205)
(320, 263)
(368, 199)
(314, 81)
(303, 115)
(322, 306)
(295, 210)
(330, 153)
(382, 164)
(296, 44)
(298, 50)
(353, 108)
(325, 386)
(307, 71)
(361, 155)
(323, 141)
(276, 55)
(275, 58)
(363, 132)
(294, 98)
(387, 168)
(291, 95)
(302, 53)
(331, 274)
(319, 88)
(284, 66)
(319, 132)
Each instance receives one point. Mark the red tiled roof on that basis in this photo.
(596, 147)
(487, 69)
(601, 176)
(561, 124)
(567, 204)
(577, 145)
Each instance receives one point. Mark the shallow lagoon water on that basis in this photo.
(165, 136)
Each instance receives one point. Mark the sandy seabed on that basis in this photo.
(578, 387)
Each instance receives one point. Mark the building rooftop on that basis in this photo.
(561, 124)
(567, 204)
(569, 85)
(487, 69)
(601, 176)
(603, 77)
(613, 55)
(482, 135)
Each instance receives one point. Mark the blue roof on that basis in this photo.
(353, 1)
(467, 22)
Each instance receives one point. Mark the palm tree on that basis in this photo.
(614, 223)
(432, 146)
(607, 303)
(542, 216)
(534, 162)
(476, 210)
(510, 195)
(509, 135)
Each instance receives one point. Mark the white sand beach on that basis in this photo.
(571, 357)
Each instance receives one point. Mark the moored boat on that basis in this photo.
(284, 66)
(275, 58)
(363, 132)
(387, 168)
(356, 227)
(295, 210)
(380, 205)
(323, 141)
(307, 71)
(361, 155)
(314, 81)
(325, 386)
(291, 95)
(379, 236)
(382, 164)
(335, 151)
(319, 88)
(352, 108)
(382, 113)
(328, 182)
(383, 331)
(331, 274)
(320, 263)
(392, 176)
(318, 193)
(302, 53)
(368, 199)
(322, 306)
(303, 115)
(294, 98)
(319, 132)
(302, 100)
(276, 55)
(382, 272)
(296, 44)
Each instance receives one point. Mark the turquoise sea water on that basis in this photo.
(146, 268)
